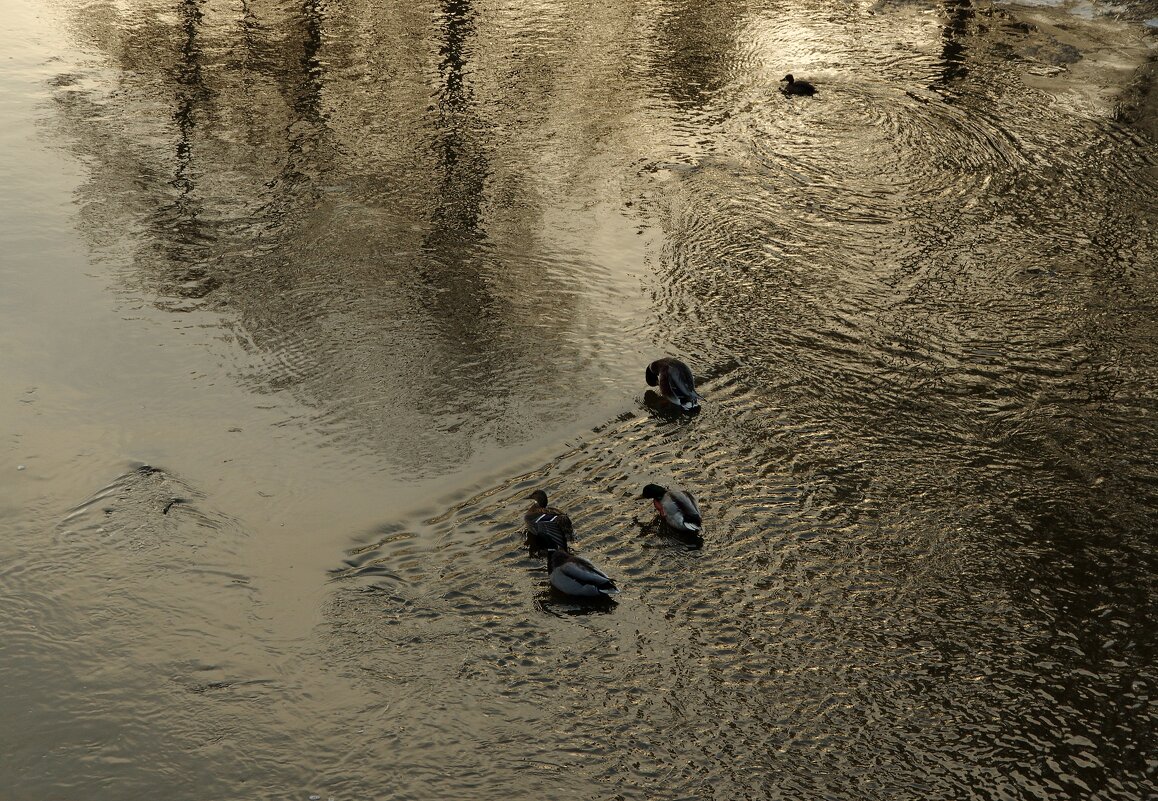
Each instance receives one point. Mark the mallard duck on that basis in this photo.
(675, 382)
(795, 87)
(549, 527)
(574, 575)
(676, 508)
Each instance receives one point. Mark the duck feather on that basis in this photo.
(574, 575)
(677, 508)
(675, 382)
(548, 526)
(680, 510)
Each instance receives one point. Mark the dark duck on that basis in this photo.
(795, 87)
(547, 527)
(675, 382)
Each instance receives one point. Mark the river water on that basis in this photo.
(301, 300)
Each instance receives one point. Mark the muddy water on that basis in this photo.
(300, 301)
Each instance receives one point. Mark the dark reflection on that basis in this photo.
(1092, 581)
(458, 28)
(452, 269)
(191, 93)
(181, 230)
(307, 101)
(305, 91)
(955, 37)
(304, 145)
(555, 603)
(697, 45)
(656, 528)
(345, 223)
(661, 407)
(948, 421)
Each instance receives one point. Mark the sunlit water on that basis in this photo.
(301, 301)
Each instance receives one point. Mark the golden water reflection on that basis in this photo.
(369, 274)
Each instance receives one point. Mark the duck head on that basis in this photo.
(539, 497)
(654, 491)
(651, 376)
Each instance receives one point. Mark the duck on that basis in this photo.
(573, 575)
(548, 527)
(677, 508)
(675, 382)
(795, 87)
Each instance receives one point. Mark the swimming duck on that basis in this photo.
(549, 527)
(574, 575)
(676, 508)
(795, 87)
(675, 382)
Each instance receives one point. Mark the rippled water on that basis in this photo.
(303, 300)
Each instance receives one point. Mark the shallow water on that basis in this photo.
(302, 301)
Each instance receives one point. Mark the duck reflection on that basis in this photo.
(552, 602)
(661, 407)
(658, 530)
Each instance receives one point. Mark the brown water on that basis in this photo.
(301, 300)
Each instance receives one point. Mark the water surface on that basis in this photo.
(303, 300)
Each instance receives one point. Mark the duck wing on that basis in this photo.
(579, 570)
(682, 511)
(552, 528)
(681, 384)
